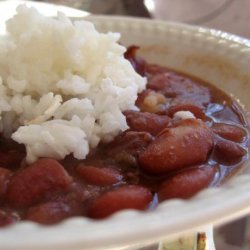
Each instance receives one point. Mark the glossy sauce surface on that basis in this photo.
(161, 156)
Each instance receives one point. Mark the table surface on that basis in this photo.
(229, 15)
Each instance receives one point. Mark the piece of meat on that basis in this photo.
(151, 101)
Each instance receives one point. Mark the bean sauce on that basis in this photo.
(185, 136)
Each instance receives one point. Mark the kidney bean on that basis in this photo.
(5, 175)
(35, 182)
(229, 131)
(8, 217)
(131, 142)
(227, 151)
(125, 197)
(100, 176)
(186, 183)
(186, 144)
(49, 212)
(137, 62)
(11, 159)
(195, 110)
(153, 69)
(148, 122)
(174, 85)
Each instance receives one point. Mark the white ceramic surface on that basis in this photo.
(214, 56)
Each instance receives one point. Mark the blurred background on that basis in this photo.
(229, 15)
(232, 16)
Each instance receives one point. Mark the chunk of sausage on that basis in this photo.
(186, 183)
(186, 144)
(5, 175)
(35, 182)
(151, 101)
(228, 151)
(148, 122)
(99, 176)
(229, 131)
(49, 213)
(125, 197)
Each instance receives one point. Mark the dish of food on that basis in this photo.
(149, 162)
(113, 154)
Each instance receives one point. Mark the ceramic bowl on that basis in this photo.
(214, 56)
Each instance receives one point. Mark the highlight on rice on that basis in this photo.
(63, 85)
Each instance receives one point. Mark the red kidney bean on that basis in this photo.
(174, 85)
(137, 62)
(227, 151)
(153, 69)
(5, 175)
(11, 159)
(49, 212)
(229, 131)
(100, 176)
(35, 182)
(186, 183)
(8, 217)
(125, 197)
(148, 122)
(186, 144)
(195, 110)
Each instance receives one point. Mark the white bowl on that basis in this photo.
(216, 57)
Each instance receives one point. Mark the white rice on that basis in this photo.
(184, 115)
(63, 85)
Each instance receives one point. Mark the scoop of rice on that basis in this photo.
(63, 85)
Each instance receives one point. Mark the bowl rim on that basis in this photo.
(125, 228)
